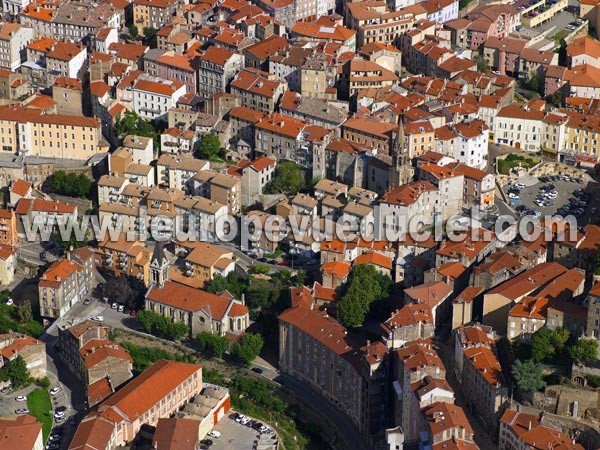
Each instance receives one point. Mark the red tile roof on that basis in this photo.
(341, 269)
(147, 390)
(193, 300)
(443, 417)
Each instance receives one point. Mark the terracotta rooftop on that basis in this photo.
(430, 294)
(443, 417)
(529, 281)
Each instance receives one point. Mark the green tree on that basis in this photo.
(365, 286)
(288, 179)
(44, 383)
(248, 348)
(209, 148)
(541, 344)
(262, 294)
(528, 375)
(559, 339)
(132, 124)
(71, 184)
(146, 319)
(16, 371)
(232, 283)
(133, 31)
(24, 312)
(585, 350)
(58, 181)
(117, 290)
(216, 345)
(161, 326)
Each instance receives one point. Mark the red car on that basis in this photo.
(133, 312)
(284, 263)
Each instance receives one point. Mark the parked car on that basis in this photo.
(114, 306)
(22, 411)
(54, 391)
(262, 260)
(214, 434)
(512, 195)
(285, 263)
(20, 398)
(133, 313)
(258, 370)
(87, 301)
(98, 318)
(62, 419)
(9, 301)
(120, 308)
(6, 389)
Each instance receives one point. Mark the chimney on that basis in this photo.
(529, 426)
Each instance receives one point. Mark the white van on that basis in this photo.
(214, 434)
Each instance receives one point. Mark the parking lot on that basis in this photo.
(566, 194)
(233, 435)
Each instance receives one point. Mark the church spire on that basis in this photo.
(159, 266)
(401, 171)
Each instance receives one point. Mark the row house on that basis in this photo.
(170, 66)
(413, 362)
(14, 38)
(437, 296)
(370, 133)
(278, 136)
(13, 85)
(120, 256)
(258, 90)
(242, 121)
(254, 176)
(94, 359)
(45, 212)
(315, 349)
(401, 203)
(258, 55)
(216, 68)
(219, 187)
(174, 38)
(449, 183)
(164, 388)
(204, 261)
(583, 50)
(306, 71)
(409, 323)
(358, 75)
(479, 186)
(66, 282)
(498, 301)
(72, 21)
(153, 13)
(444, 421)
(205, 213)
(9, 236)
(523, 430)
(374, 22)
(153, 97)
(466, 142)
(496, 269)
(326, 29)
(319, 111)
(176, 171)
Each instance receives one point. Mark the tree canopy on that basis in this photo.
(64, 245)
(528, 375)
(16, 371)
(547, 344)
(365, 286)
(288, 179)
(262, 294)
(131, 123)
(212, 343)
(161, 326)
(231, 283)
(71, 184)
(209, 148)
(585, 350)
(247, 348)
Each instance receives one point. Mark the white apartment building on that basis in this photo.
(140, 147)
(13, 39)
(154, 97)
(441, 11)
(110, 188)
(65, 60)
(400, 204)
(471, 146)
(175, 171)
(313, 9)
(14, 7)
(519, 127)
(450, 186)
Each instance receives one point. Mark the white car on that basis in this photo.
(61, 419)
(22, 411)
(20, 398)
(120, 308)
(10, 301)
(54, 391)
(214, 434)
(114, 306)
(239, 418)
(98, 318)
(512, 195)
(245, 420)
(59, 414)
